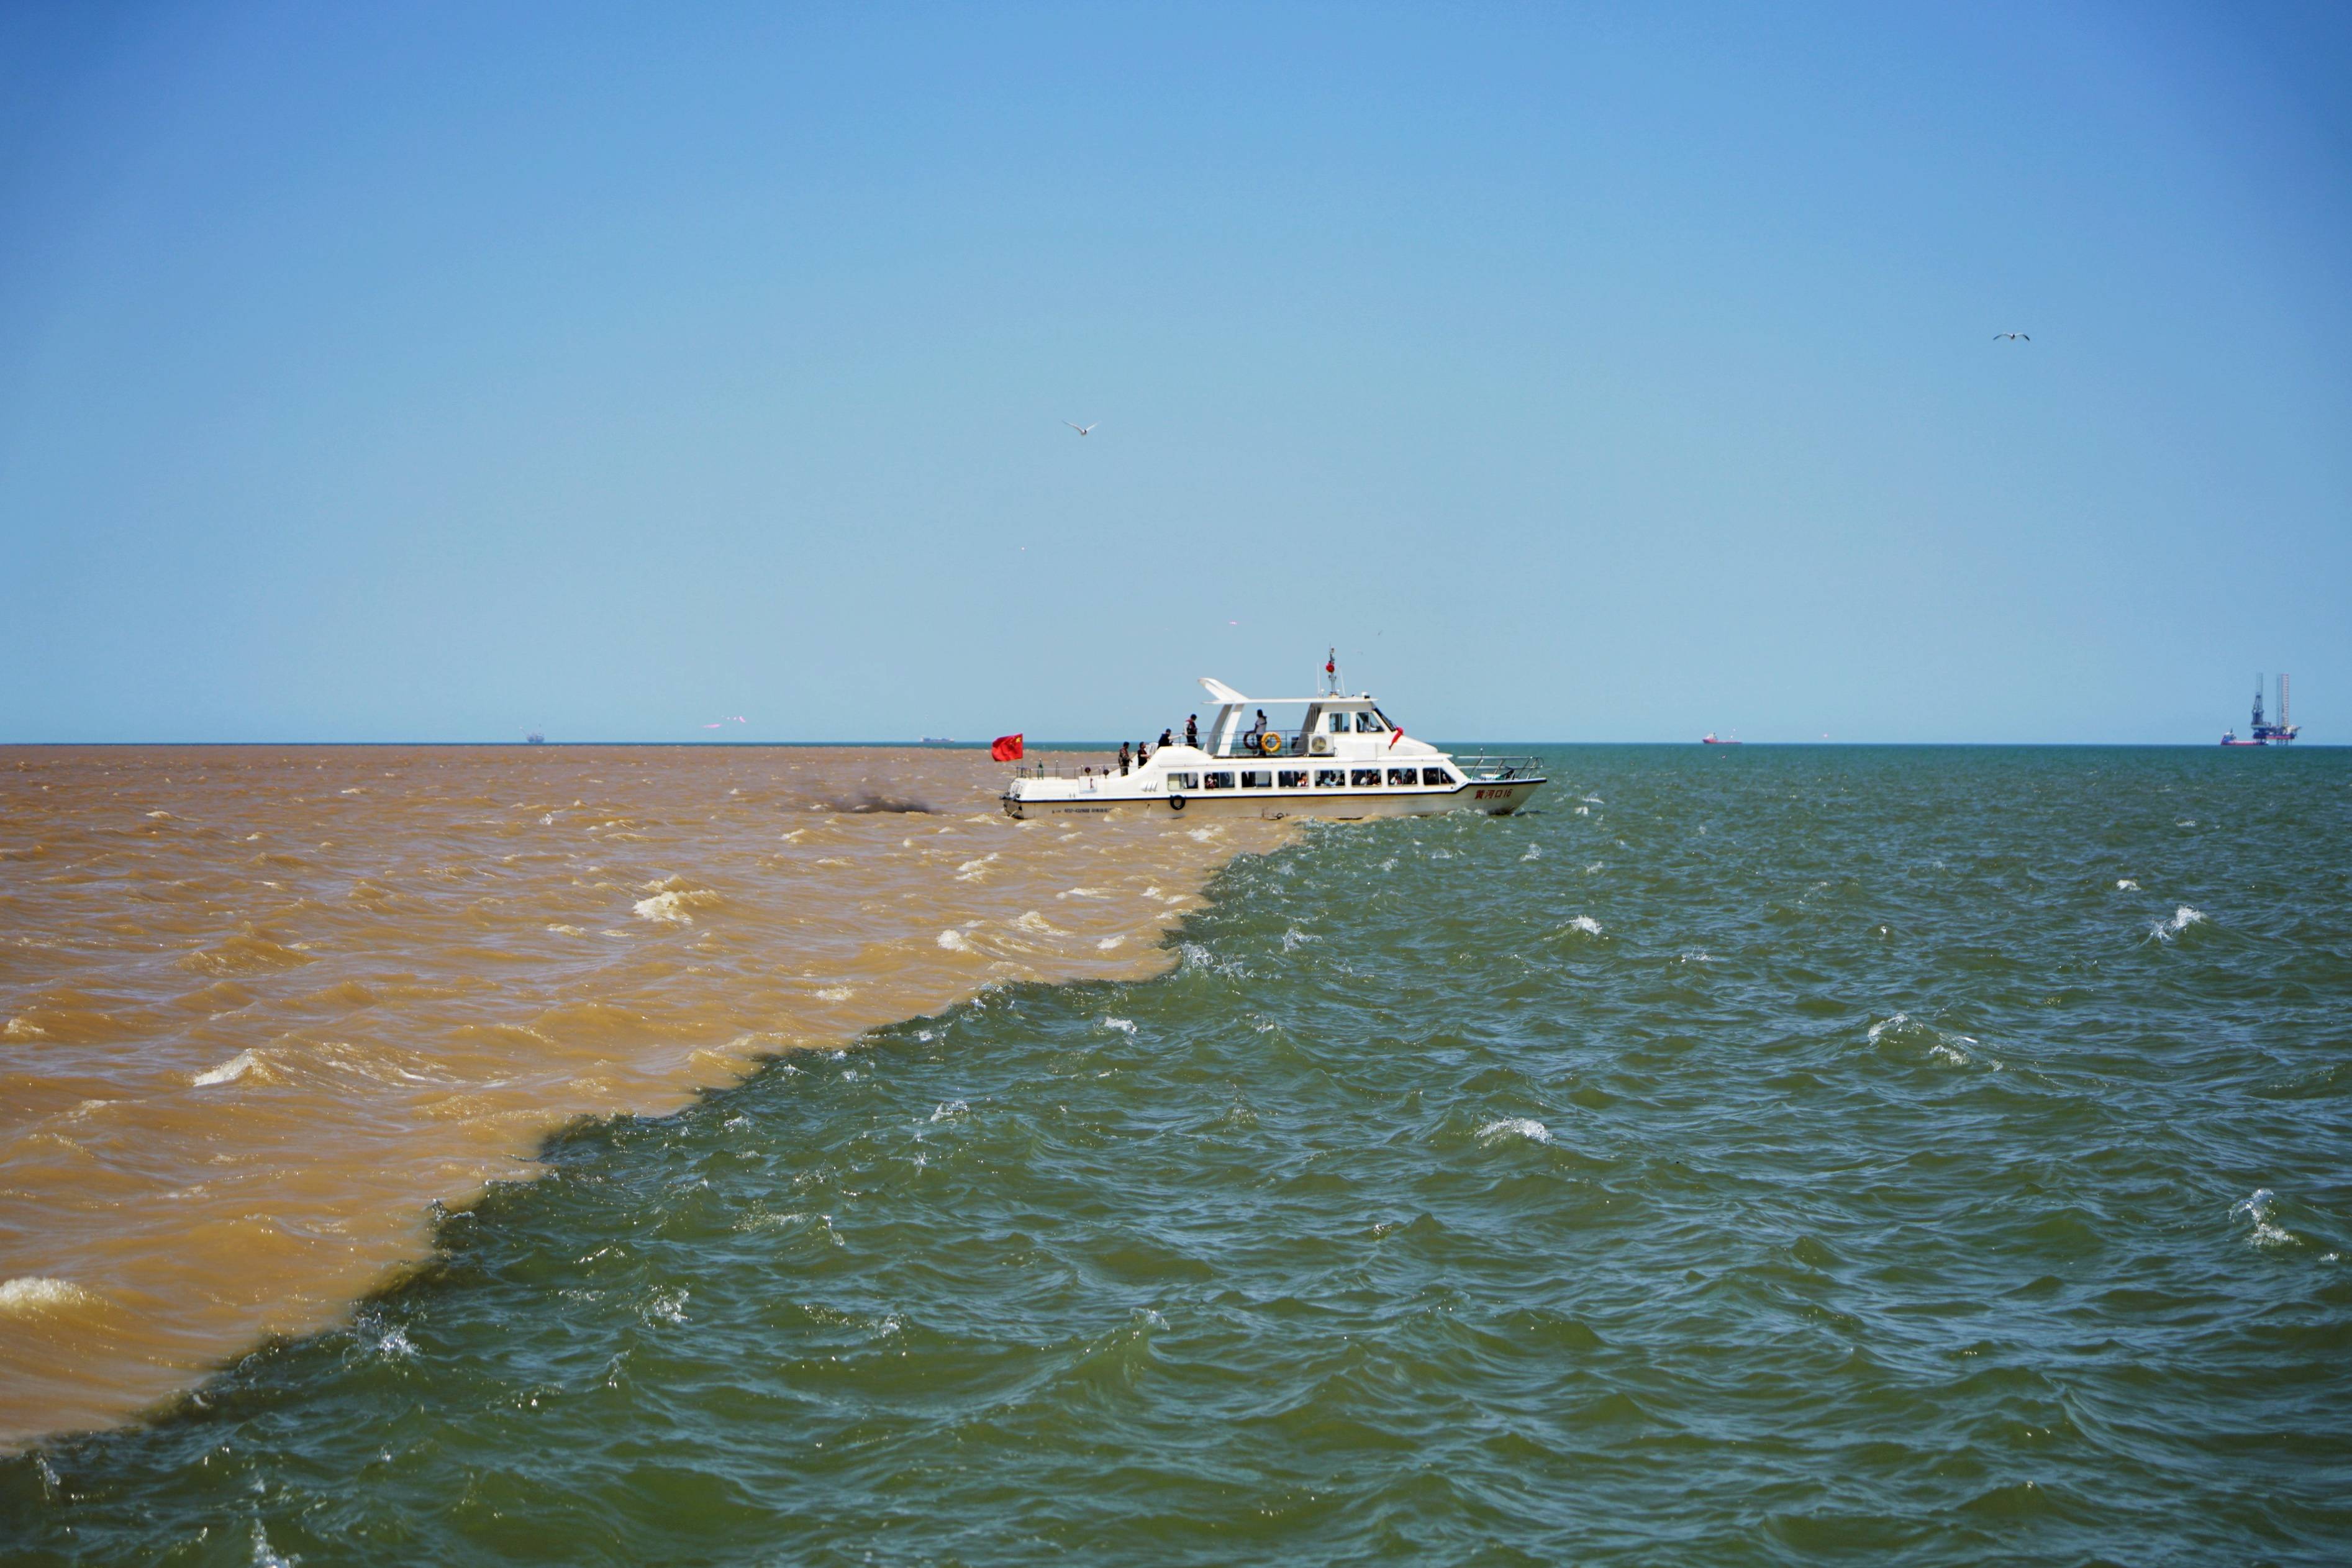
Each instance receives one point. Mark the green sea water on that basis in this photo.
(1889, 1155)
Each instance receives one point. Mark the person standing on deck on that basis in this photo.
(1192, 729)
(1126, 756)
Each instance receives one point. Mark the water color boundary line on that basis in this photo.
(203, 1396)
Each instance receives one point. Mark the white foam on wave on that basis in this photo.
(1196, 957)
(835, 993)
(1526, 1128)
(949, 1108)
(1583, 923)
(228, 1072)
(1294, 939)
(1036, 924)
(671, 900)
(2258, 1206)
(1535, 852)
(2125, 885)
(1124, 1026)
(21, 1028)
(263, 1554)
(1584, 811)
(1882, 1025)
(2180, 920)
(973, 870)
(953, 942)
(42, 1293)
(667, 907)
(1107, 942)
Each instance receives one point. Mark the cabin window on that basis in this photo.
(1330, 778)
(1338, 723)
(1294, 779)
(1183, 781)
(1365, 777)
(1436, 776)
(1402, 776)
(1258, 779)
(1218, 780)
(1369, 723)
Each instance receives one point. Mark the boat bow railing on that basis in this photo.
(1496, 768)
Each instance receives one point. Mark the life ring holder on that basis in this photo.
(1175, 802)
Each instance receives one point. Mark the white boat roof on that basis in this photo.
(1228, 698)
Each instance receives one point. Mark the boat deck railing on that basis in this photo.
(1478, 768)
(1070, 769)
(1499, 768)
(1246, 744)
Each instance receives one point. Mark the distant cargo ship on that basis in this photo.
(1709, 739)
(2279, 734)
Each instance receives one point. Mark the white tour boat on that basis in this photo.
(1345, 760)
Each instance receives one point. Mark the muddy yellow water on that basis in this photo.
(261, 1009)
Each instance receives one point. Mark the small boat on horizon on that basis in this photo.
(1346, 760)
(1709, 739)
(534, 739)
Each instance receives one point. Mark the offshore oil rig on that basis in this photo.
(2279, 734)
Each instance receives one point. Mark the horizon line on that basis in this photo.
(1090, 745)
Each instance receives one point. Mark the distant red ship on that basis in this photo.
(1709, 739)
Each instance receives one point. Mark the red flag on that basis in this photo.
(1395, 736)
(1006, 750)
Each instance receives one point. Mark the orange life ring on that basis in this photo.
(1270, 744)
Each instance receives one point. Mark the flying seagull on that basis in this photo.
(1083, 429)
(2012, 337)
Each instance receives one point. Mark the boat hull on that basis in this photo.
(1497, 798)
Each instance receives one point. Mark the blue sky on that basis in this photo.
(1599, 374)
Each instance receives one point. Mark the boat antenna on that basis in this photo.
(1331, 672)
